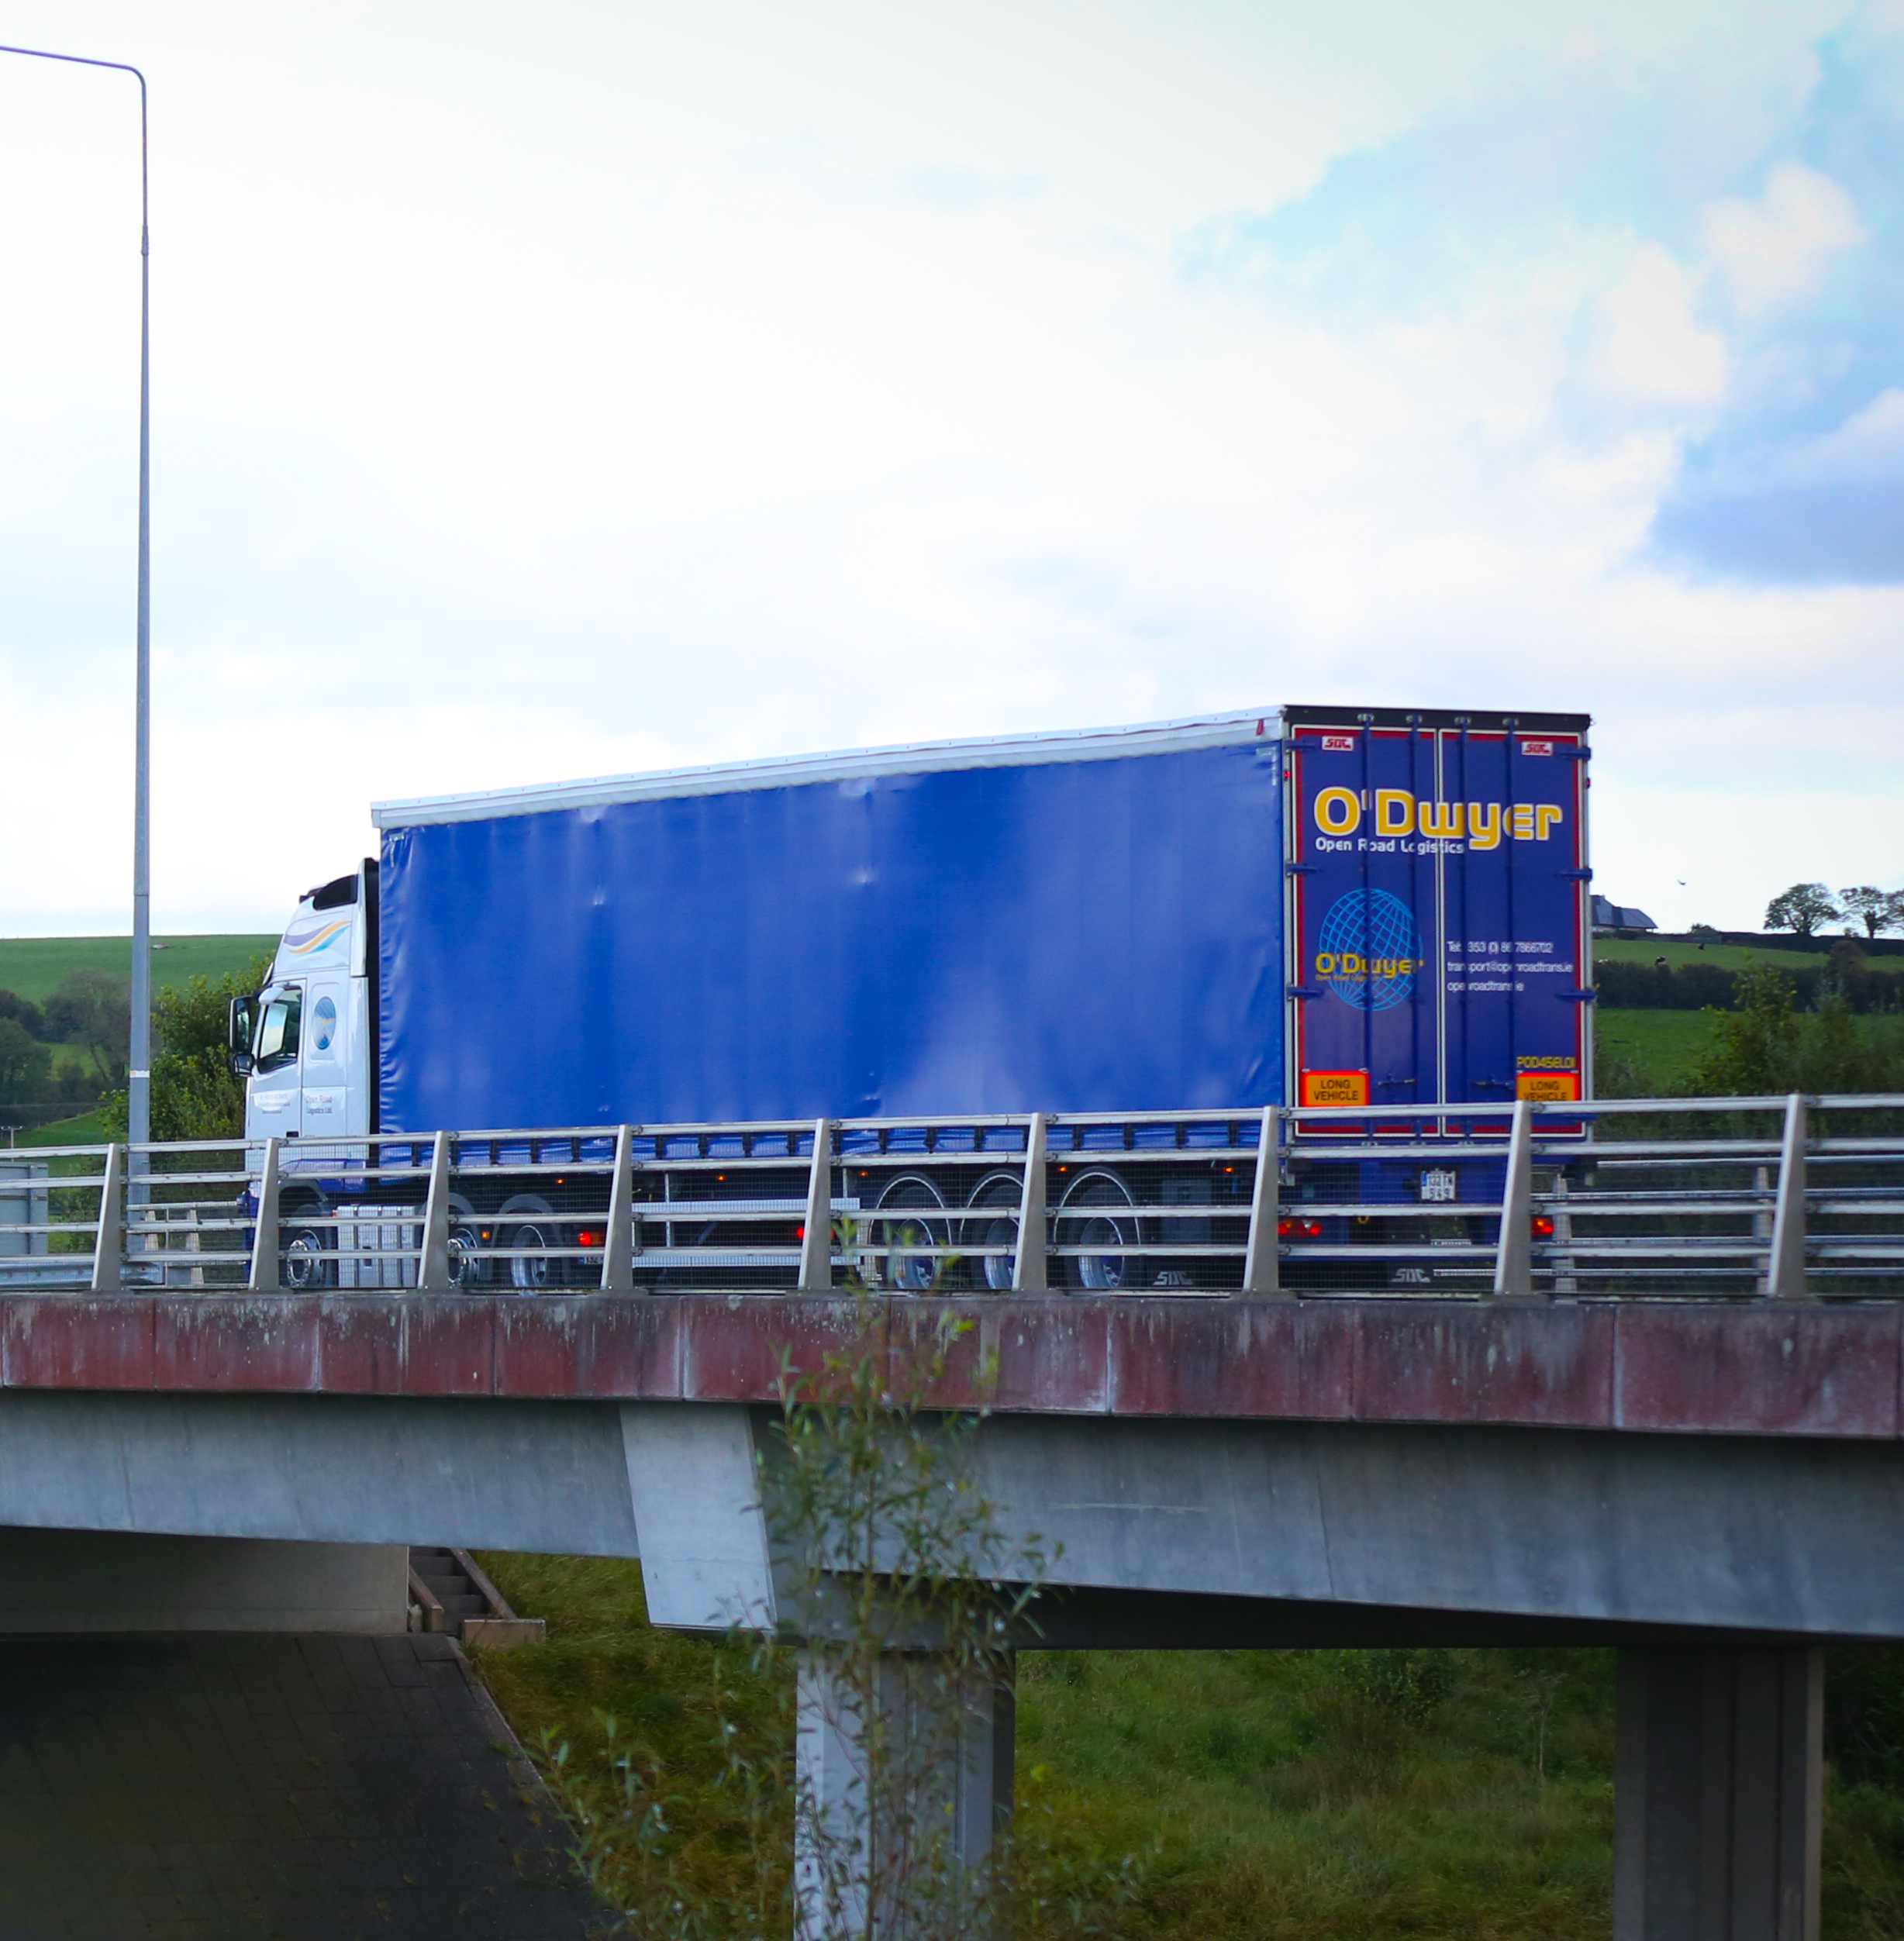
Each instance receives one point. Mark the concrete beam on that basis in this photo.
(1793, 1538)
(534, 1475)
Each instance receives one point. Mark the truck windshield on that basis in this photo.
(275, 1043)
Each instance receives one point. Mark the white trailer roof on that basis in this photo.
(786, 771)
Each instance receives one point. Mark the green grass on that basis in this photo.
(86, 1130)
(36, 967)
(1728, 956)
(1267, 1795)
(1666, 1044)
(1294, 1793)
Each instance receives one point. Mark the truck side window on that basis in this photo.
(276, 1043)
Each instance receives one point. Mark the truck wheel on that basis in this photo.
(468, 1268)
(995, 1202)
(531, 1273)
(308, 1261)
(910, 1272)
(1098, 1273)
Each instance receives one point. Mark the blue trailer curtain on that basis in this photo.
(1069, 935)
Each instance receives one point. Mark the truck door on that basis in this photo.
(276, 1073)
(325, 1045)
(1514, 987)
(1363, 918)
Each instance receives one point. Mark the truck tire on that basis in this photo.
(536, 1274)
(995, 1203)
(910, 1273)
(307, 1260)
(1080, 1224)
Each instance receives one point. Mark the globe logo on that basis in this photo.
(1368, 950)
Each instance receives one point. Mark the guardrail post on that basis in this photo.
(432, 1253)
(1262, 1259)
(1028, 1263)
(1761, 1221)
(816, 1238)
(1513, 1258)
(107, 1276)
(1565, 1280)
(265, 1278)
(618, 1249)
(1784, 1266)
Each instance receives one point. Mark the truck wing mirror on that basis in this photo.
(241, 1023)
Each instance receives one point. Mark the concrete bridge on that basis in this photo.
(1717, 1489)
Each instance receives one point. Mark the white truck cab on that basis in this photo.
(306, 1041)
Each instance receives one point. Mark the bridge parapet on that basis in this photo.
(1772, 1369)
(1721, 1198)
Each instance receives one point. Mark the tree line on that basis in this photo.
(1806, 908)
(194, 1094)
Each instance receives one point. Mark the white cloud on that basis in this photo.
(1652, 349)
(1778, 249)
(518, 420)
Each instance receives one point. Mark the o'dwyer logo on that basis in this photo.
(1368, 950)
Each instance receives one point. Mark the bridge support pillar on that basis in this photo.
(1719, 1794)
(904, 1766)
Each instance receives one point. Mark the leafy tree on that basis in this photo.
(194, 1094)
(1802, 907)
(885, 1539)
(1877, 909)
(25, 1064)
(1754, 1047)
(24, 1011)
(93, 1009)
(1767, 1046)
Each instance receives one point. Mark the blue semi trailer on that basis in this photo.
(1299, 905)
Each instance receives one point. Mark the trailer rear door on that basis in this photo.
(1437, 912)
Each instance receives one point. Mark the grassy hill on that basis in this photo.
(36, 967)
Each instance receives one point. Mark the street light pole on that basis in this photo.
(139, 1051)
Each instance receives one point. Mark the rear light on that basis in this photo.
(1543, 1227)
(1293, 1229)
(587, 1237)
(799, 1232)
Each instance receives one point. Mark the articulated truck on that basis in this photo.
(1297, 906)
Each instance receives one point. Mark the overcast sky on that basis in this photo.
(565, 390)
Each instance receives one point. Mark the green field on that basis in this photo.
(34, 967)
(1728, 956)
(1667, 1043)
(85, 1130)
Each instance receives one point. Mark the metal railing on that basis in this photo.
(1699, 1198)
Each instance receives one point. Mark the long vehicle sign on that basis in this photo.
(1437, 912)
